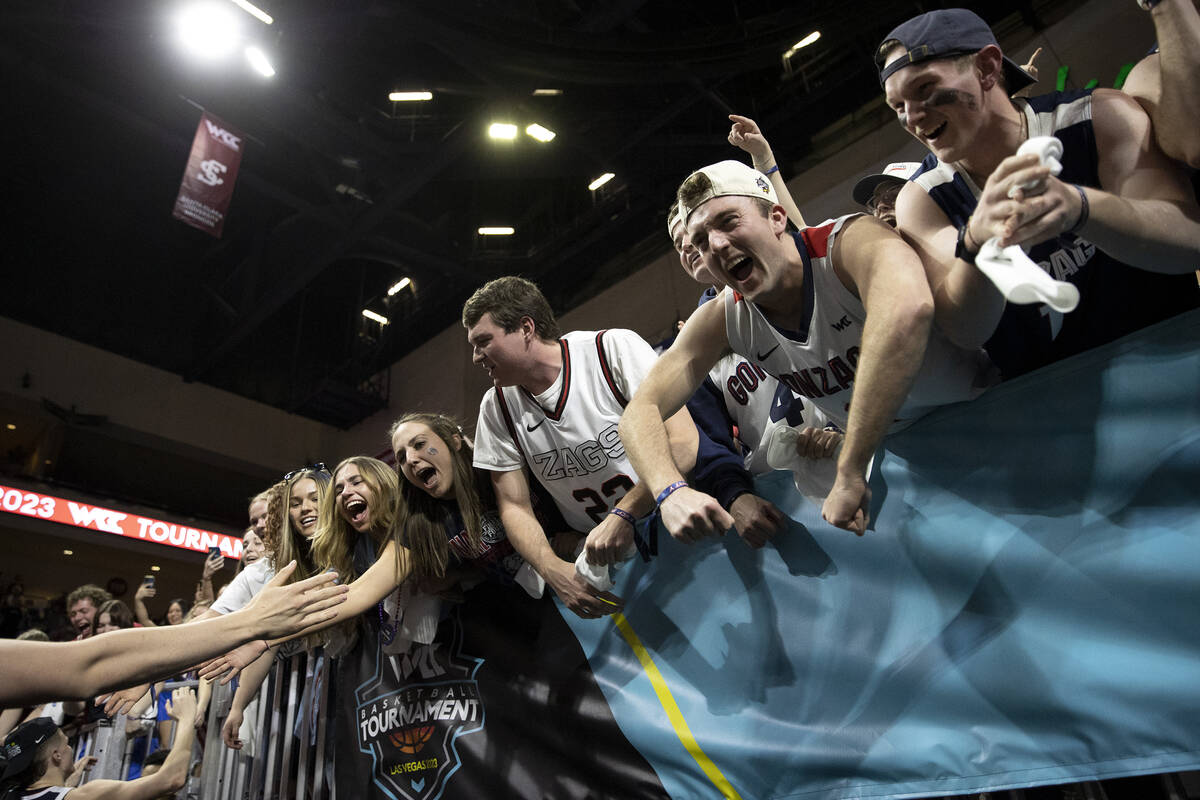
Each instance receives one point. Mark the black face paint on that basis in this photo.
(950, 97)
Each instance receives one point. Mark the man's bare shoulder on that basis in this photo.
(917, 213)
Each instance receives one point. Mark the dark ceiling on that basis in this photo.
(101, 109)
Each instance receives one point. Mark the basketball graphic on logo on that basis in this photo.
(411, 740)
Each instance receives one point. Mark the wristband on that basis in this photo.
(670, 490)
(772, 170)
(625, 515)
(1085, 210)
(963, 250)
(1148, 4)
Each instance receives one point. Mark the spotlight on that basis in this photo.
(540, 133)
(400, 285)
(603, 179)
(371, 315)
(501, 230)
(10, 426)
(253, 11)
(208, 30)
(258, 60)
(409, 97)
(155, 568)
(502, 130)
(805, 42)
(547, 92)
(68, 552)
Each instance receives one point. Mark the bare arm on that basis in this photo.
(139, 605)
(887, 275)
(173, 774)
(1145, 216)
(528, 538)
(39, 671)
(746, 135)
(248, 685)
(1165, 83)
(967, 305)
(688, 514)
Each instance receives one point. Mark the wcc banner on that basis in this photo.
(1025, 610)
(208, 179)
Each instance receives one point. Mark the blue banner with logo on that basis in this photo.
(1026, 609)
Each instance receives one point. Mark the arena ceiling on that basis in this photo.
(342, 193)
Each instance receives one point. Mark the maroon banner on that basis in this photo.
(212, 168)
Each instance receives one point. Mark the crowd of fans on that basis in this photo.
(586, 433)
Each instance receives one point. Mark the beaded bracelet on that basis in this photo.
(670, 490)
(625, 515)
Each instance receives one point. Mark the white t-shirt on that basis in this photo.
(243, 588)
(567, 435)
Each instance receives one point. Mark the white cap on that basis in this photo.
(896, 172)
(730, 178)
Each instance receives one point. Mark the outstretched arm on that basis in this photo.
(1165, 82)
(40, 671)
(745, 135)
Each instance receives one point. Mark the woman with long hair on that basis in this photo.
(445, 519)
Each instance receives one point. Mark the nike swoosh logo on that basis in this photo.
(766, 355)
(532, 428)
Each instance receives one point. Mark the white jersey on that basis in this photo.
(818, 361)
(567, 436)
(756, 403)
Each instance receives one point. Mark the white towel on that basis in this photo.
(1013, 272)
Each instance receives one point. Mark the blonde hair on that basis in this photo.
(290, 544)
(419, 525)
(333, 544)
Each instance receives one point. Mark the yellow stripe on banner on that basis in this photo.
(667, 700)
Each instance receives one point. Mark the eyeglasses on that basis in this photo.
(885, 195)
(317, 467)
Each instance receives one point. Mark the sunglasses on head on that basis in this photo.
(317, 467)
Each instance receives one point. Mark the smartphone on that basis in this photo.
(214, 551)
(148, 580)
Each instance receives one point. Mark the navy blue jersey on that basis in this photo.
(1115, 298)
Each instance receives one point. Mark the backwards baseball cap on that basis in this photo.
(21, 746)
(944, 33)
(727, 178)
(896, 172)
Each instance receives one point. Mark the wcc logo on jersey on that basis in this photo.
(410, 715)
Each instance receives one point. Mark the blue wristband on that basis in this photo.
(772, 170)
(625, 515)
(670, 490)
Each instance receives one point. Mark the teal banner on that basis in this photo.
(1026, 609)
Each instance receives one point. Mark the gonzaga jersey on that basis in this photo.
(567, 436)
(1114, 298)
(756, 402)
(819, 360)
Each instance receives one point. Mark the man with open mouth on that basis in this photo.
(840, 313)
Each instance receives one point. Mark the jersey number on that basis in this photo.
(599, 506)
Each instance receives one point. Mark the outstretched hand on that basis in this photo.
(228, 666)
(121, 701)
(279, 611)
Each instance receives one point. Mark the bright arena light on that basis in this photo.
(399, 286)
(603, 179)
(254, 11)
(409, 97)
(208, 30)
(502, 130)
(806, 41)
(497, 231)
(258, 60)
(371, 315)
(540, 133)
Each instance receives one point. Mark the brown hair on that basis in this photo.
(333, 544)
(419, 525)
(695, 186)
(89, 591)
(509, 300)
(118, 613)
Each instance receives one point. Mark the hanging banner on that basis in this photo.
(208, 179)
(106, 520)
(1024, 611)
